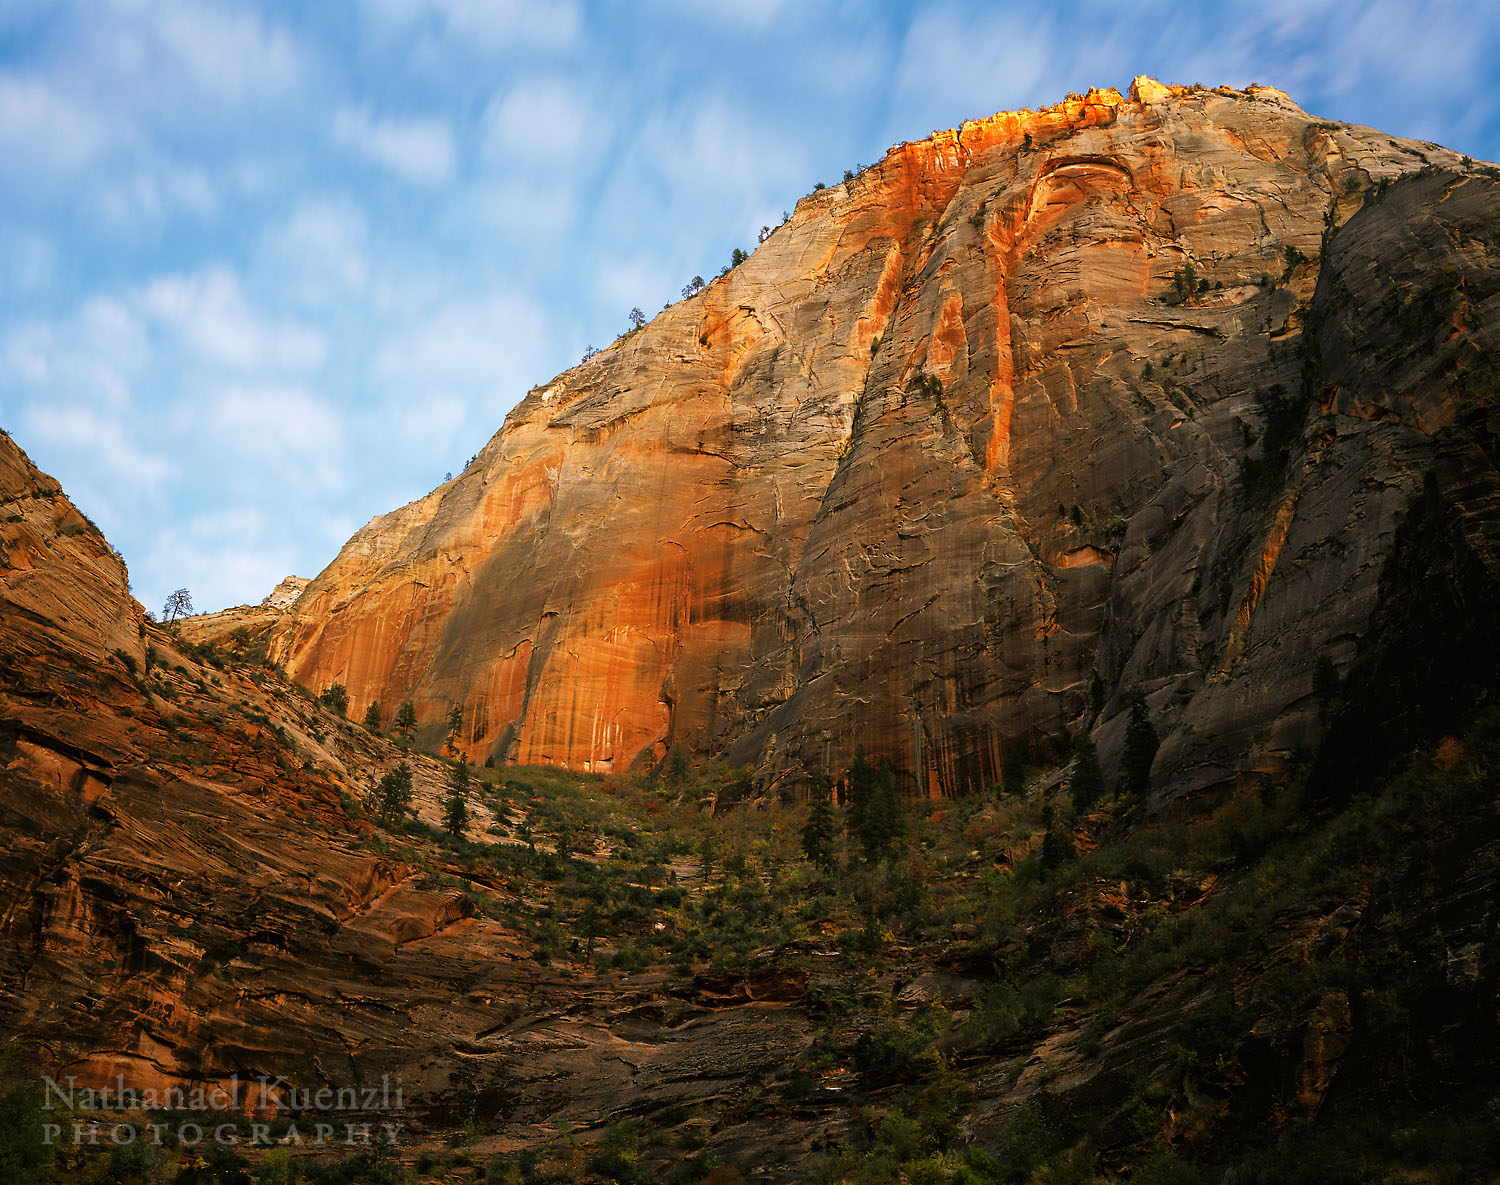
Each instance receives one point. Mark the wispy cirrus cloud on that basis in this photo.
(418, 150)
(537, 119)
(209, 312)
(486, 26)
(106, 437)
(319, 252)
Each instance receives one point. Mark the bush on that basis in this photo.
(24, 1157)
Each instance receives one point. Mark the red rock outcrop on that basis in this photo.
(959, 443)
(185, 901)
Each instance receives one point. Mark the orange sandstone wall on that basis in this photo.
(949, 446)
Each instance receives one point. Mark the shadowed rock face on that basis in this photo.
(956, 442)
(184, 900)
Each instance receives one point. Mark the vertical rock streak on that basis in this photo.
(957, 440)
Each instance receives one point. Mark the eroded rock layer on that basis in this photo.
(186, 899)
(1024, 416)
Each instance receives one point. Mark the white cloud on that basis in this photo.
(420, 150)
(210, 313)
(45, 132)
(282, 429)
(631, 282)
(90, 357)
(470, 344)
(708, 143)
(465, 360)
(28, 262)
(483, 25)
(541, 119)
(954, 68)
(123, 75)
(736, 15)
(527, 205)
(104, 438)
(152, 193)
(235, 55)
(184, 61)
(319, 251)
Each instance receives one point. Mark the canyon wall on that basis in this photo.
(1025, 416)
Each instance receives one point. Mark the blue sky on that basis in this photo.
(267, 270)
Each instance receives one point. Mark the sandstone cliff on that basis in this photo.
(1028, 412)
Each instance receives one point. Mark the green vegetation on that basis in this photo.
(1281, 418)
(336, 699)
(1185, 281)
(25, 1156)
(372, 716)
(393, 795)
(1086, 783)
(455, 730)
(405, 722)
(1106, 981)
(456, 806)
(1168, 922)
(1015, 767)
(876, 816)
(178, 604)
(818, 833)
(1139, 751)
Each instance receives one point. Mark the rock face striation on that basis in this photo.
(185, 899)
(1046, 408)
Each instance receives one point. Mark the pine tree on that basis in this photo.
(455, 730)
(817, 834)
(406, 720)
(372, 717)
(1086, 782)
(877, 815)
(393, 796)
(456, 808)
(1015, 768)
(890, 808)
(1139, 752)
(336, 699)
(859, 794)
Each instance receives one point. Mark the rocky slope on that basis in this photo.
(1024, 416)
(189, 896)
(185, 897)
